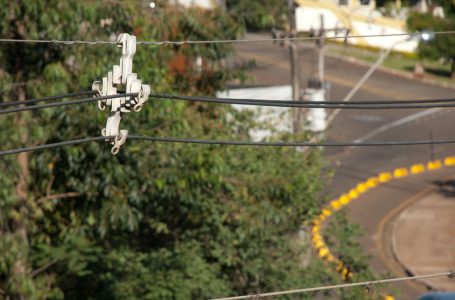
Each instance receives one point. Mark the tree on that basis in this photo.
(41, 229)
(443, 45)
(157, 221)
(259, 14)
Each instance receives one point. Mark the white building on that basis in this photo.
(277, 119)
(359, 16)
(206, 4)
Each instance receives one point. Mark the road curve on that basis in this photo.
(354, 164)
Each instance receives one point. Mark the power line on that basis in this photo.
(63, 42)
(339, 286)
(64, 103)
(225, 142)
(277, 103)
(287, 144)
(56, 97)
(399, 104)
(55, 145)
(201, 98)
(189, 42)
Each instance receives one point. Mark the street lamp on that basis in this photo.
(425, 36)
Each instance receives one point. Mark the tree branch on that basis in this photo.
(58, 196)
(43, 268)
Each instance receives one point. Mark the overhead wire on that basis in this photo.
(55, 145)
(64, 103)
(339, 286)
(287, 144)
(202, 98)
(190, 42)
(56, 97)
(62, 42)
(227, 142)
(399, 104)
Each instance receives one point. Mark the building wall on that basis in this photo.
(360, 19)
(207, 4)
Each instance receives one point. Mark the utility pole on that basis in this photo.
(316, 87)
(320, 47)
(295, 65)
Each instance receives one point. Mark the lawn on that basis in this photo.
(398, 61)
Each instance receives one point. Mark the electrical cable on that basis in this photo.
(62, 42)
(188, 42)
(56, 97)
(399, 104)
(55, 145)
(64, 103)
(339, 286)
(416, 101)
(287, 144)
(225, 142)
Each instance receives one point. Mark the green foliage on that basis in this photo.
(443, 45)
(259, 14)
(342, 238)
(157, 221)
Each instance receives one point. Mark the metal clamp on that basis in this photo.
(119, 140)
(121, 74)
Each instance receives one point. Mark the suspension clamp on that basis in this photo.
(121, 74)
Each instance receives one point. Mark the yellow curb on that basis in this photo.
(326, 212)
(400, 172)
(418, 168)
(323, 252)
(317, 239)
(384, 176)
(362, 187)
(372, 182)
(433, 165)
(339, 266)
(344, 199)
(344, 273)
(449, 161)
(335, 204)
(319, 244)
(353, 194)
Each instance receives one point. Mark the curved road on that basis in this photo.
(374, 209)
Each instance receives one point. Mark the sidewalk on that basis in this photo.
(423, 236)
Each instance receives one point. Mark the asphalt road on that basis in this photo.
(373, 210)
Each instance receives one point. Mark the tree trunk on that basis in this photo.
(452, 70)
(19, 271)
(19, 284)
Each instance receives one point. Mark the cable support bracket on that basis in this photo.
(121, 75)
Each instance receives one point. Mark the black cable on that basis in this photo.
(287, 144)
(399, 104)
(224, 142)
(54, 145)
(30, 101)
(64, 103)
(201, 98)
